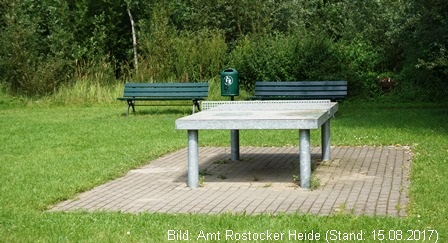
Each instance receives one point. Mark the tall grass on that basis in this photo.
(91, 92)
(184, 57)
(86, 92)
(93, 82)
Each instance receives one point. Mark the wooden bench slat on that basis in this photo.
(173, 90)
(303, 93)
(300, 97)
(165, 94)
(281, 88)
(165, 90)
(334, 90)
(300, 83)
(162, 98)
(166, 85)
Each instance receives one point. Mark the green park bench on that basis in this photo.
(162, 92)
(300, 90)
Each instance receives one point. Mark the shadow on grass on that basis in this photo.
(417, 119)
(152, 110)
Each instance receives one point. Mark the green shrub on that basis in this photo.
(280, 57)
(259, 58)
(167, 54)
(360, 64)
(418, 85)
(317, 58)
(189, 56)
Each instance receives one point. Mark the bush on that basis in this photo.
(189, 56)
(168, 54)
(261, 58)
(198, 55)
(318, 58)
(360, 67)
(280, 57)
(419, 85)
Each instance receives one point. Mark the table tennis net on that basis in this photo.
(266, 105)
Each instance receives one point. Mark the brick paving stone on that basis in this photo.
(359, 180)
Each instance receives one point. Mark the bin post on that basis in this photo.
(230, 87)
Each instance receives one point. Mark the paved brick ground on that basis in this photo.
(358, 180)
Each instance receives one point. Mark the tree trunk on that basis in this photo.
(134, 39)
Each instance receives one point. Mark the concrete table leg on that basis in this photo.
(326, 149)
(193, 159)
(305, 159)
(235, 145)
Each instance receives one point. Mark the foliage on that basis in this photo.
(47, 44)
(281, 57)
(424, 38)
(361, 66)
(263, 58)
(188, 56)
(33, 52)
(236, 18)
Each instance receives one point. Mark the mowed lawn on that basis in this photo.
(51, 153)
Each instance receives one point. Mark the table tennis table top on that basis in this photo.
(259, 115)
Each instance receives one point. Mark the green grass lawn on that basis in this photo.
(48, 154)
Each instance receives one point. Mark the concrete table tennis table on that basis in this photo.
(253, 115)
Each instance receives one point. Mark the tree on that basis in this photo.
(134, 34)
(425, 39)
(36, 43)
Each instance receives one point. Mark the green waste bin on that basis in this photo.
(229, 82)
